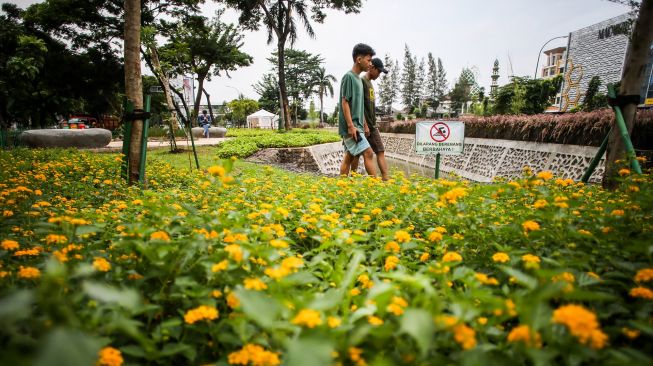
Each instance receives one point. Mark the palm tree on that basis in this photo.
(323, 84)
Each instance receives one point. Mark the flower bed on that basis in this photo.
(257, 267)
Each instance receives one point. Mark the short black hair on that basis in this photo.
(362, 49)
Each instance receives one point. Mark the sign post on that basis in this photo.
(439, 137)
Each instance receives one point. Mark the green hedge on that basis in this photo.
(247, 142)
(582, 128)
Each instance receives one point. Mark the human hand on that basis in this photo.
(351, 130)
(367, 130)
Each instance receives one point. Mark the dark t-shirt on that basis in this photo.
(368, 93)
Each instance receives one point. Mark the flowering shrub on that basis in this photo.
(582, 128)
(255, 266)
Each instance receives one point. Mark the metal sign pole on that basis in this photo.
(437, 165)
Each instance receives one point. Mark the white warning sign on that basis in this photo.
(443, 137)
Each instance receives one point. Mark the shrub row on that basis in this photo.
(247, 142)
(582, 128)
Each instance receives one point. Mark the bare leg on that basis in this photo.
(383, 165)
(346, 162)
(368, 160)
(354, 163)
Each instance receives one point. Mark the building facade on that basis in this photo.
(597, 50)
(555, 62)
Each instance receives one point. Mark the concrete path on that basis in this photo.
(159, 144)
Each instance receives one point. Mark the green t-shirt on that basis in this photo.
(368, 93)
(351, 88)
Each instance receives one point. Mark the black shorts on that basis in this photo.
(375, 140)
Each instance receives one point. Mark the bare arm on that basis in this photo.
(350, 123)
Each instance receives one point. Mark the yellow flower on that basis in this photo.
(617, 213)
(292, 263)
(254, 354)
(376, 211)
(374, 320)
(402, 236)
(220, 266)
(643, 275)
(355, 355)
(522, 333)
(232, 300)
(464, 336)
(530, 259)
(630, 333)
(333, 322)
(392, 246)
(641, 292)
(355, 291)
(486, 280)
(540, 204)
(582, 324)
(101, 264)
(530, 226)
(624, 172)
(453, 195)
(55, 239)
(545, 175)
(277, 273)
(255, 284)
(160, 235)
(424, 257)
(500, 257)
(452, 257)
(109, 356)
(391, 263)
(216, 170)
(276, 243)
(435, 236)
(8, 244)
(29, 272)
(397, 305)
(482, 320)
(234, 251)
(308, 317)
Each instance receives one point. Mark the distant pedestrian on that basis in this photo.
(204, 120)
(351, 112)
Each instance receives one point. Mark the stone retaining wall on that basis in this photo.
(483, 159)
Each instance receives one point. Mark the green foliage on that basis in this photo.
(594, 100)
(127, 268)
(409, 88)
(240, 109)
(526, 96)
(249, 141)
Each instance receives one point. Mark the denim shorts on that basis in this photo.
(353, 147)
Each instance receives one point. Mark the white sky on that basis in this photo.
(463, 33)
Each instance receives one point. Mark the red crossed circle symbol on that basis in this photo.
(440, 132)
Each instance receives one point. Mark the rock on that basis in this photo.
(213, 132)
(86, 138)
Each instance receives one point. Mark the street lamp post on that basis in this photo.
(540, 54)
(240, 95)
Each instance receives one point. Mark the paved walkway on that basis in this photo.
(158, 144)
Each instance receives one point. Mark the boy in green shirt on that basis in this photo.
(351, 112)
(371, 131)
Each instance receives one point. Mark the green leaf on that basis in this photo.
(171, 349)
(17, 306)
(263, 309)
(328, 300)
(65, 347)
(127, 298)
(309, 351)
(418, 324)
(521, 277)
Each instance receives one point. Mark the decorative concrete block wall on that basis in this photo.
(483, 159)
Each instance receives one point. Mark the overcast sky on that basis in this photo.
(463, 33)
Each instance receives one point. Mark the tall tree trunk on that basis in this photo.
(208, 101)
(198, 98)
(282, 84)
(631, 81)
(180, 95)
(165, 84)
(133, 82)
(321, 112)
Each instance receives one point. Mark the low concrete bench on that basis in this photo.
(213, 131)
(86, 138)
